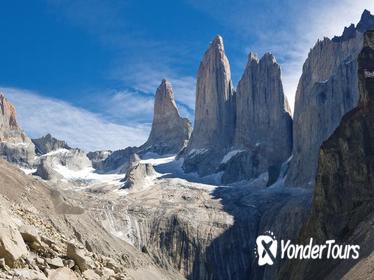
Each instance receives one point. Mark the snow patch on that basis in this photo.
(158, 161)
(88, 176)
(27, 171)
(229, 155)
(195, 152)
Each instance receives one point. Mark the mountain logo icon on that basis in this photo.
(267, 247)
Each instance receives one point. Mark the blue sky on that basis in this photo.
(86, 71)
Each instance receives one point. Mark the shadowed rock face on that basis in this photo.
(343, 200)
(15, 146)
(262, 113)
(214, 114)
(136, 177)
(48, 144)
(170, 132)
(254, 122)
(327, 90)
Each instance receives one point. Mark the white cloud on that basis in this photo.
(146, 78)
(125, 106)
(80, 128)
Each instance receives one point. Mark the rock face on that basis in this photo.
(139, 177)
(118, 161)
(343, 199)
(47, 144)
(244, 165)
(214, 114)
(15, 146)
(55, 165)
(98, 157)
(327, 90)
(263, 116)
(170, 132)
(263, 121)
(254, 123)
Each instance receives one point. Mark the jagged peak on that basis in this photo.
(165, 88)
(253, 57)
(268, 57)
(218, 40)
(366, 23)
(217, 43)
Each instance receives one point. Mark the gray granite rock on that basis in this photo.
(138, 177)
(15, 146)
(326, 91)
(257, 114)
(48, 144)
(244, 165)
(262, 111)
(214, 112)
(117, 161)
(98, 157)
(170, 132)
(343, 198)
(263, 121)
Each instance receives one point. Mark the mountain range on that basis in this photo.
(190, 202)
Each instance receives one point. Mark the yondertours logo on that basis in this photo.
(267, 247)
(267, 250)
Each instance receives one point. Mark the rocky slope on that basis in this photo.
(326, 91)
(15, 146)
(170, 132)
(343, 199)
(44, 235)
(198, 229)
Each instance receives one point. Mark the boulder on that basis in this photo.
(78, 255)
(55, 262)
(31, 236)
(91, 275)
(12, 246)
(63, 273)
(28, 274)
